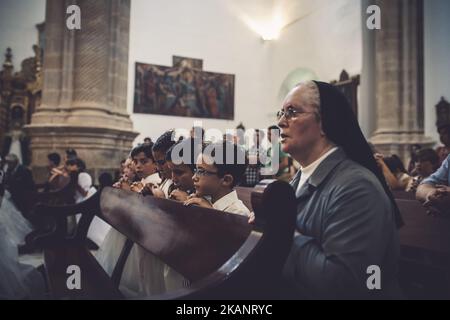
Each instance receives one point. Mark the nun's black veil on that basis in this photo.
(341, 126)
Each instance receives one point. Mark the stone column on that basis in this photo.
(85, 86)
(399, 78)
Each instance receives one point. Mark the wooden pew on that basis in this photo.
(220, 253)
(404, 195)
(245, 194)
(425, 252)
(251, 197)
(424, 265)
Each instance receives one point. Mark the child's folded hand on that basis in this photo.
(157, 192)
(179, 195)
(136, 186)
(251, 218)
(125, 185)
(201, 202)
(193, 195)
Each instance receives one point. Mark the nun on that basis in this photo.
(346, 241)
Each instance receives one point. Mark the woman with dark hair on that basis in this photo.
(394, 172)
(347, 218)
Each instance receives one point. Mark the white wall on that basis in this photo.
(326, 41)
(18, 19)
(214, 32)
(437, 60)
(207, 30)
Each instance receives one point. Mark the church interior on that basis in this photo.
(94, 205)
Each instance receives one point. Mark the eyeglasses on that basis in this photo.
(203, 172)
(290, 113)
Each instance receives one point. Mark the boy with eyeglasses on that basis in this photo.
(216, 174)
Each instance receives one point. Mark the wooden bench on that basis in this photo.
(251, 197)
(219, 253)
(425, 252)
(404, 195)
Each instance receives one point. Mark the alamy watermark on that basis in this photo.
(374, 20)
(374, 280)
(73, 282)
(73, 22)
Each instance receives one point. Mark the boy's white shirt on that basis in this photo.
(165, 186)
(231, 203)
(153, 178)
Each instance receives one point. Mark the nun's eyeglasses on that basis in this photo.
(290, 113)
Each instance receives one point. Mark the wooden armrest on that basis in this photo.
(90, 206)
(95, 282)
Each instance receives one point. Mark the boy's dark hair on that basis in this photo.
(274, 127)
(55, 158)
(164, 142)
(235, 169)
(428, 155)
(145, 148)
(71, 154)
(78, 162)
(186, 144)
(105, 180)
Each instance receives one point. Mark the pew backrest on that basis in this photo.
(220, 253)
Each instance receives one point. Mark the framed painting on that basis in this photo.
(183, 90)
